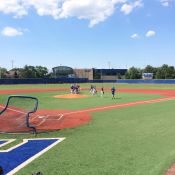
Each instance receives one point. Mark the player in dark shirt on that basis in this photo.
(113, 92)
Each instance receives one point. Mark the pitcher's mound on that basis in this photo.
(71, 96)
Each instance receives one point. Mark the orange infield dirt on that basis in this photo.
(13, 120)
(70, 96)
(127, 90)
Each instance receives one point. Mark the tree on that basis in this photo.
(3, 72)
(133, 73)
(16, 72)
(165, 72)
(169, 71)
(127, 75)
(33, 72)
(41, 72)
(28, 72)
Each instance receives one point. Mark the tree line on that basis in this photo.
(26, 72)
(163, 72)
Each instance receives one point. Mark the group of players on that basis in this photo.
(75, 89)
(93, 91)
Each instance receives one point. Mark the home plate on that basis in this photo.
(41, 116)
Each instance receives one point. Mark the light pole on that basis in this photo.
(12, 63)
(109, 64)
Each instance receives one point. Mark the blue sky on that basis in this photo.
(87, 33)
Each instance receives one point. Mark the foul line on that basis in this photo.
(14, 110)
(47, 118)
(120, 105)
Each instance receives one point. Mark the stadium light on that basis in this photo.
(12, 63)
(109, 64)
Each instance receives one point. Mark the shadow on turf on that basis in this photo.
(38, 173)
(2, 172)
(116, 98)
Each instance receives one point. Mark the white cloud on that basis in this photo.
(15, 7)
(166, 3)
(10, 31)
(44, 7)
(150, 33)
(127, 8)
(135, 36)
(93, 10)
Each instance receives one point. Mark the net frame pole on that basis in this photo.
(28, 113)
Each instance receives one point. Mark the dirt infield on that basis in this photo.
(70, 96)
(171, 171)
(13, 120)
(127, 90)
(43, 120)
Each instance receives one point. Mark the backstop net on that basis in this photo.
(15, 116)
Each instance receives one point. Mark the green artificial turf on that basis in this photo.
(128, 141)
(87, 85)
(47, 100)
(137, 140)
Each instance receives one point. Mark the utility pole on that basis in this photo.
(109, 64)
(12, 63)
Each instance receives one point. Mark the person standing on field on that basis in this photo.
(102, 92)
(113, 92)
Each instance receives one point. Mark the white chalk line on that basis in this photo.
(14, 110)
(47, 117)
(43, 119)
(120, 105)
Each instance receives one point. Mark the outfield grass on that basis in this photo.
(137, 140)
(86, 85)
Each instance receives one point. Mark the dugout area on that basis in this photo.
(20, 114)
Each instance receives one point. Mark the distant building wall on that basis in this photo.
(109, 74)
(84, 73)
(90, 74)
(116, 77)
(105, 77)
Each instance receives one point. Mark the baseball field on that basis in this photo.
(132, 134)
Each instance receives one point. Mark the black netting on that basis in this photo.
(15, 115)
